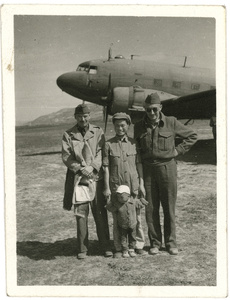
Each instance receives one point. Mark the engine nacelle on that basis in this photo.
(125, 97)
(128, 99)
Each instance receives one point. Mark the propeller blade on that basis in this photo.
(109, 83)
(105, 108)
(106, 117)
(104, 113)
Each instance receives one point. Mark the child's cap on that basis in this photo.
(123, 189)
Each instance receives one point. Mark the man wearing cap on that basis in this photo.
(81, 153)
(120, 168)
(155, 135)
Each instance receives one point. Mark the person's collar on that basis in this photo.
(83, 129)
(123, 138)
(160, 122)
(131, 200)
(162, 118)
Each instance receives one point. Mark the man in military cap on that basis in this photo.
(155, 135)
(82, 154)
(120, 168)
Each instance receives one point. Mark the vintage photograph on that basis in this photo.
(114, 146)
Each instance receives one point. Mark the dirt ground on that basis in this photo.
(46, 234)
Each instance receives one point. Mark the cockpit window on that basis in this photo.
(83, 67)
(87, 68)
(93, 70)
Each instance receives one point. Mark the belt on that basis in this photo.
(157, 161)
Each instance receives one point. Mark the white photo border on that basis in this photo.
(8, 11)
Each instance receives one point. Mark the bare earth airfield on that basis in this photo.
(46, 234)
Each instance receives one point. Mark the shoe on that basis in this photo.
(82, 255)
(154, 251)
(173, 251)
(132, 253)
(141, 252)
(108, 253)
(117, 255)
(125, 254)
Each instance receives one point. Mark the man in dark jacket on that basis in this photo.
(81, 153)
(155, 135)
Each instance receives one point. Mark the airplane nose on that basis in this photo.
(71, 80)
(60, 81)
(66, 80)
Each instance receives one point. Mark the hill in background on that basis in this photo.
(66, 116)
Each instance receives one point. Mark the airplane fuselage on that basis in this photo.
(90, 82)
(122, 85)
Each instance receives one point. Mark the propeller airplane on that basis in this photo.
(121, 85)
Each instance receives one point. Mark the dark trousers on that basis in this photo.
(128, 238)
(100, 218)
(161, 187)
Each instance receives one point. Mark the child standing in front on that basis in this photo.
(125, 206)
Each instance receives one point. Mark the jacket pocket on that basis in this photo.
(145, 142)
(165, 141)
(115, 156)
(131, 152)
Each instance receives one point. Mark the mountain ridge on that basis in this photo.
(64, 116)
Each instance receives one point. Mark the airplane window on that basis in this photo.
(158, 82)
(176, 84)
(93, 70)
(195, 86)
(83, 68)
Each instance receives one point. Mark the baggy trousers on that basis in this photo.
(100, 218)
(128, 238)
(140, 238)
(161, 187)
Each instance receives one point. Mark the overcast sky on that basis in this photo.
(47, 46)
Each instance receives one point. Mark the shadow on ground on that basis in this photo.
(38, 250)
(42, 153)
(203, 152)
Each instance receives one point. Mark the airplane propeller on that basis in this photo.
(105, 110)
(105, 117)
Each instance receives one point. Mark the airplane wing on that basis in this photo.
(200, 105)
(194, 106)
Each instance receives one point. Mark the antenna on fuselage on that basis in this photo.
(110, 51)
(132, 55)
(185, 59)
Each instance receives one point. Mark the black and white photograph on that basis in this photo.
(114, 137)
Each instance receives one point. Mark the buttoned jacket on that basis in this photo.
(126, 212)
(159, 143)
(73, 143)
(120, 155)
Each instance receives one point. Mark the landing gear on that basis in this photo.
(212, 123)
